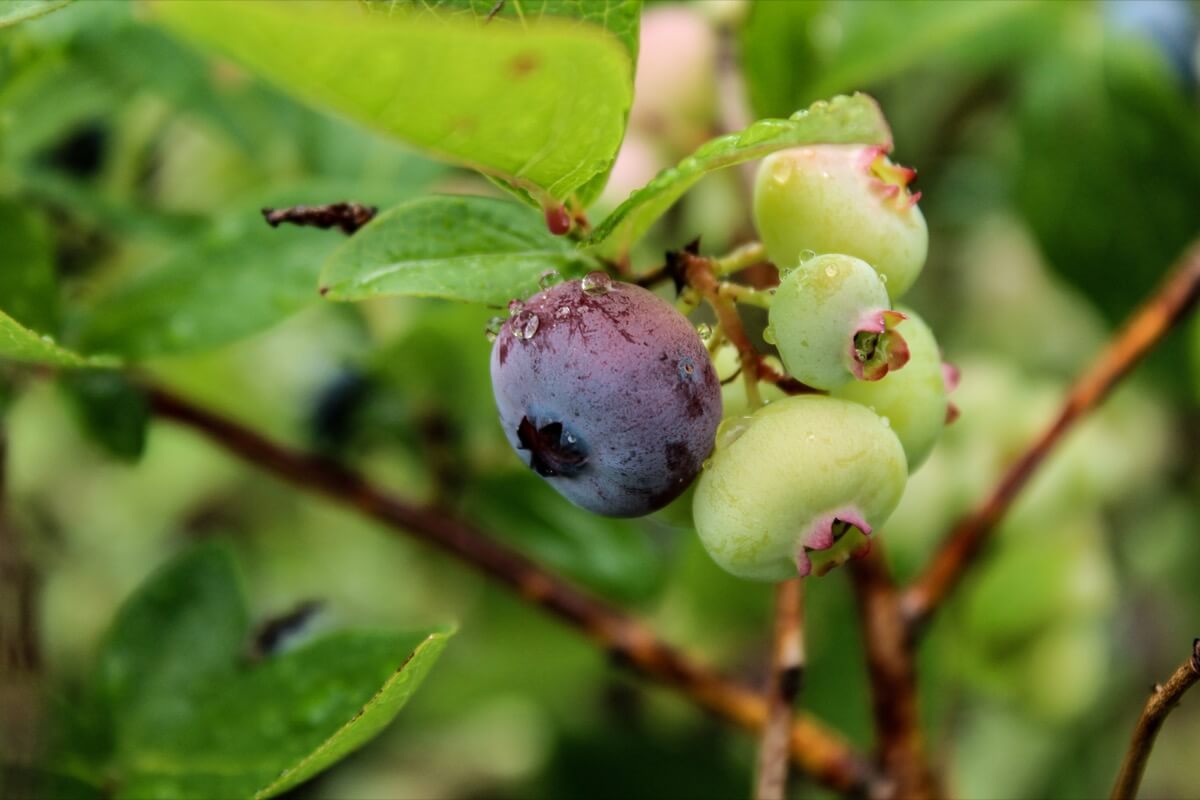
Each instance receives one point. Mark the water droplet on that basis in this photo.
(731, 429)
(563, 312)
(831, 271)
(887, 423)
(706, 463)
(571, 438)
(807, 255)
(704, 330)
(550, 277)
(761, 131)
(783, 273)
(48, 339)
(769, 334)
(525, 325)
(515, 307)
(596, 283)
(494, 325)
(812, 437)
(819, 106)
(883, 277)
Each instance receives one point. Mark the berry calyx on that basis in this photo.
(831, 321)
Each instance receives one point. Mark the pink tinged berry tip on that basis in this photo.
(558, 221)
(876, 347)
(951, 375)
(832, 539)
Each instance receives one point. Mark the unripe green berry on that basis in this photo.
(831, 322)
(799, 488)
(912, 399)
(841, 199)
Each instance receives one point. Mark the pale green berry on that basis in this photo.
(913, 399)
(733, 386)
(831, 322)
(799, 488)
(841, 199)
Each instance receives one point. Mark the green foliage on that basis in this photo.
(15, 11)
(802, 50)
(459, 248)
(572, 82)
(843, 120)
(111, 409)
(212, 291)
(21, 344)
(193, 715)
(27, 284)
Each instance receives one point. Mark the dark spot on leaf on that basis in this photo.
(523, 64)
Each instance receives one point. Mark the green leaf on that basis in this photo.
(265, 729)
(14, 11)
(112, 410)
(27, 281)
(184, 625)
(462, 248)
(542, 106)
(619, 17)
(842, 120)
(21, 344)
(212, 291)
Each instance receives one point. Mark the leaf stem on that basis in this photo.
(783, 687)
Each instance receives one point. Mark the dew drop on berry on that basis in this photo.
(704, 330)
(515, 306)
(563, 312)
(596, 283)
(493, 328)
(731, 429)
(550, 277)
(831, 271)
(525, 325)
(768, 335)
(781, 171)
(807, 255)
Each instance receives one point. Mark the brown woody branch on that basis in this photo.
(347, 217)
(893, 677)
(820, 752)
(1148, 325)
(1164, 698)
(787, 675)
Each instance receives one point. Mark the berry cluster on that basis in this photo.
(610, 394)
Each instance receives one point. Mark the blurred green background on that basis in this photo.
(1058, 146)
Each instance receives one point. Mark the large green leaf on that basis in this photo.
(195, 718)
(27, 280)
(842, 120)
(14, 11)
(542, 105)
(263, 730)
(619, 17)
(462, 248)
(214, 290)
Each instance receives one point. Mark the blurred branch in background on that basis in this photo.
(1163, 698)
(893, 675)
(347, 217)
(787, 676)
(1165, 309)
(20, 653)
(819, 752)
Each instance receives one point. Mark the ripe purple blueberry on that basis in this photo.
(607, 392)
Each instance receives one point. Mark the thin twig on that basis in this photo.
(1164, 698)
(1145, 329)
(893, 678)
(348, 217)
(787, 676)
(819, 751)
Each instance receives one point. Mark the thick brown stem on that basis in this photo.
(1145, 329)
(893, 677)
(787, 675)
(818, 751)
(1164, 698)
(347, 217)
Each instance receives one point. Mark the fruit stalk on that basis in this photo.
(783, 687)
